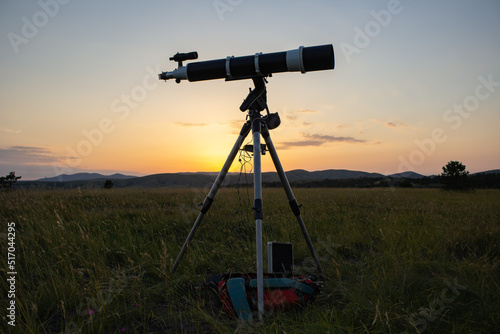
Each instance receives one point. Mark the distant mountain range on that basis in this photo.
(86, 177)
(330, 177)
(493, 171)
(294, 175)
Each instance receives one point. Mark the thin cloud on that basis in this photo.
(391, 124)
(396, 124)
(190, 125)
(306, 111)
(10, 130)
(295, 117)
(332, 139)
(235, 125)
(34, 155)
(318, 140)
(300, 143)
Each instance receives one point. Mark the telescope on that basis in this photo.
(303, 59)
(256, 67)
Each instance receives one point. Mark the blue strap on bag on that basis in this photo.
(236, 289)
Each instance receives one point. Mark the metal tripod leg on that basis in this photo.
(213, 191)
(291, 198)
(258, 211)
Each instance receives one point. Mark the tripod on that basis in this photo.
(255, 102)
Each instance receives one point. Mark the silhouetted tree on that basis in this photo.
(9, 180)
(455, 176)
(108, 184)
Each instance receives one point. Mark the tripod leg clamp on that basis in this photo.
(258, 208)
(295, 207)
(245, 129)
(206, 205)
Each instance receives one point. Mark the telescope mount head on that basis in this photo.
(256, 101)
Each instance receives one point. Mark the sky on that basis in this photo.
(416, 84)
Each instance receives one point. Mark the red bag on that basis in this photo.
(238, 293)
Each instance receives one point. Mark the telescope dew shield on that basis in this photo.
(303, 59)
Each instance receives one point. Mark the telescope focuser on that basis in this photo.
(179, 58)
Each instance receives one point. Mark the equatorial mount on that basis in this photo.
(256, 101)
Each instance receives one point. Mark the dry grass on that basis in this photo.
(98, 261)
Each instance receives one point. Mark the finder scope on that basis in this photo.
(184, 56)
(303, 59)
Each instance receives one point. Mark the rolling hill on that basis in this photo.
(298, 177)
(85, 177)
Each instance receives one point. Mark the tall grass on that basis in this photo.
(396, 260)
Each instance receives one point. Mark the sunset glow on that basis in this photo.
(416, 84)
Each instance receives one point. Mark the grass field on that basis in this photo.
(396, 260)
